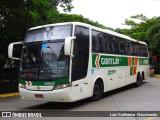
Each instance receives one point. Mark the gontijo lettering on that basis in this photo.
(106, 61)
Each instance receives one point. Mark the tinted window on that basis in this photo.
(130, 48)
(107, 43)
(81, 53)
(144, 51)
(49, 33)
(123, 46)
(116, 45)
(106, 40)
(95, 41)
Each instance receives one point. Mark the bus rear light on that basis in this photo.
(152, 69)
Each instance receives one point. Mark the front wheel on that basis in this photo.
(97, 91)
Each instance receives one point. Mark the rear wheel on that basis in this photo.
(143, 76)
(139, 81)
(97, 91)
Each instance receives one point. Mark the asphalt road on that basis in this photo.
(129, 98)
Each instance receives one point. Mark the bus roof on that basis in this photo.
(92, 27)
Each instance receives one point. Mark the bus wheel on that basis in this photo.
(139, 81)
(143, 78)
(97, 91)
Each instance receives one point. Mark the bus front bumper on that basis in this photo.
(61, 95)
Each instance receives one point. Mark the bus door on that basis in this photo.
(80, 79)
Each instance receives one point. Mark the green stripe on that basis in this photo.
(110, 61)
(143, 61)
(45, 83)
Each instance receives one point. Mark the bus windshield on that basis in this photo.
(44, 61)
(49, 33)
(43, 53)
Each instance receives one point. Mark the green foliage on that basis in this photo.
(153, 36)
(65, 4)
(16, 16)
(78, 18)
(146, 29)
(157, 68)
(140, 17)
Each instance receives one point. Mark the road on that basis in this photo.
(143, 98)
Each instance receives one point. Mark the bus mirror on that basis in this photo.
(14, 50)
(68, 45)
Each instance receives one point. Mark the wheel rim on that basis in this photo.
(97, 90)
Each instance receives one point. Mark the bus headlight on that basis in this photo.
(21, 85)
(61, 86)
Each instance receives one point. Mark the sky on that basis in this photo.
(112, 13)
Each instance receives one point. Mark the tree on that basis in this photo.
(153, 36)
(18, 15)
(144, 30)
(65, 4)
(78, 18)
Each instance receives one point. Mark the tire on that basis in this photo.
(139, 81)
(143, 77)
(97, 91)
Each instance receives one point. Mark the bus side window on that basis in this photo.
(126, 46)
(122, 47)
(102, 42)
(95, 41)
(130, 49)
(111, 47)
(116, 45)
(106, 40)
(145, 54)
(136, 50)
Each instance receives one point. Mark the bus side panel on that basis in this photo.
(112, 78)
(99, 73)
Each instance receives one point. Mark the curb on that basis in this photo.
(157, 76)
(8, 95)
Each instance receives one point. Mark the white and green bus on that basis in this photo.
(67, 62)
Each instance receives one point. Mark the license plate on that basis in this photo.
(39, 96)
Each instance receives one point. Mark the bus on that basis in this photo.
(67, 62)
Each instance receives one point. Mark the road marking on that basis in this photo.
(8, 95)
(157, 76)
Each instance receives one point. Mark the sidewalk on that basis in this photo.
(9, 95)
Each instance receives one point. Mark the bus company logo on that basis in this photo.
(109, 61)
(110, 72)
(104, 61)
(97, 61)
(29, 83)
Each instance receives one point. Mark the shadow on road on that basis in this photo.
(56, 106)
(122, 89)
